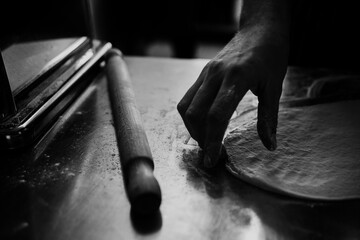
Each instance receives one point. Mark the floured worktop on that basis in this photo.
(70, 185)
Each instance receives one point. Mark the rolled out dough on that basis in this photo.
(318, 153)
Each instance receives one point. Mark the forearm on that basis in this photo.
(262, 22)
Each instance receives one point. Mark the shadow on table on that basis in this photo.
(146, 224)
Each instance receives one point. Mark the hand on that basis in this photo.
(248, 62)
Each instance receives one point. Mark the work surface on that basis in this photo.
(69, 186)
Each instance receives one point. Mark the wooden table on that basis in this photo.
(69, 186)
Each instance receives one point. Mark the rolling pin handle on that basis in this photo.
(112, 52)
(142, 187)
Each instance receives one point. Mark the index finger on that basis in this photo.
(217, 121)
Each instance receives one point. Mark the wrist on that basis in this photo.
(265, 12)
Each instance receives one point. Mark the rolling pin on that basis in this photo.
(142, 188)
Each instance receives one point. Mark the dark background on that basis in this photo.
(129, 25)
(324, 33)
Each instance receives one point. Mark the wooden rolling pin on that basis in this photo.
(141, 186)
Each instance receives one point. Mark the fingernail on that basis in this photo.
(273, 143)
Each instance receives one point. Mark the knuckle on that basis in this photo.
(192, 115)
(181, 107)
(215, 65)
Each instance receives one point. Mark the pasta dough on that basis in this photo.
(318, 153)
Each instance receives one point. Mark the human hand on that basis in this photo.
(242, 65)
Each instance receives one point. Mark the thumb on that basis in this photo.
(268, 117)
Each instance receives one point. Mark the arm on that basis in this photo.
(255, 59)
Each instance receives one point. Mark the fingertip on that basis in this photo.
(273, 142)
(214, 155)
(267, 135)
(210, 161)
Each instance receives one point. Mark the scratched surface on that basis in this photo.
(69, 186)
